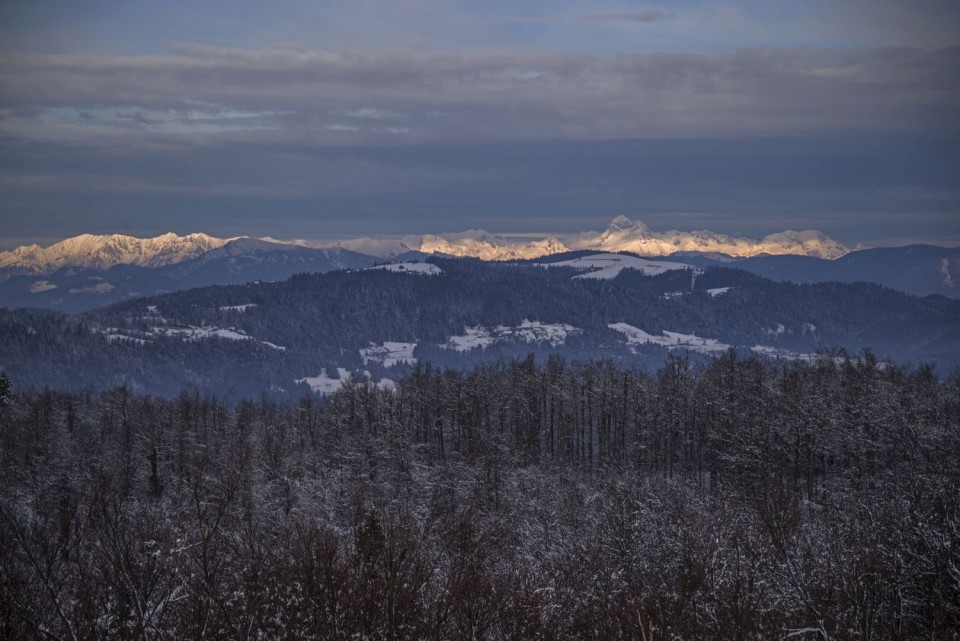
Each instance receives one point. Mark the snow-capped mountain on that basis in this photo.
(624, 234)
(104, 251)
(480, 244)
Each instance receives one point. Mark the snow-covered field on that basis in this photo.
(122, 337)
(237, 308)
(323, 384)
(190, 332)
(389, 353)
(528, 331)
(676, 340)
(410, 268)
(636, 336)
(610, 265)
(718, 291)
(473, 337)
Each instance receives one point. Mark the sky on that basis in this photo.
(335, 119)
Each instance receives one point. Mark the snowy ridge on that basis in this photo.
(102, 252)
(622, 234)
(480, 244)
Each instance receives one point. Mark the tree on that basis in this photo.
(6, 389)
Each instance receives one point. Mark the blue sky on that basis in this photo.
(325, 119)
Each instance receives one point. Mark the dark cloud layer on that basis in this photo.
(859, 189)
(443, 97)
(861, 143)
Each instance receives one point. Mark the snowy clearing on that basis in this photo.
(323, 384)
(237, 308)
(389, 353)
(473, 337)
(190, 332)
(528, 331)
(636, 336)
(121, 337)
(610, 265)
(718, 291)
(428, 269)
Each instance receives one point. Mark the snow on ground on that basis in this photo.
(537, 332)
(323, 384)
(410, 268)
(236, 308)
(473, 337)
(121, 337)
(610, 265)
(778, 352)
(41, 286)
(636, 336)
(528, 331)
(189, 332)
(718, 291)
(389, 353)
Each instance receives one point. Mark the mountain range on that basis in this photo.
(101, 252)
(91, 271)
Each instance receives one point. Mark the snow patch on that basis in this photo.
(528, 331)
(537, 332)
(324, 384)
(473, 337)
(189, 332)
(636, 336)
(389, 353)
(606, 266)
(237, 308)
(780, 329)
(121, 337)
(718, 291)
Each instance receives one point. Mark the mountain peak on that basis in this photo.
(104, 251)
(622, 223)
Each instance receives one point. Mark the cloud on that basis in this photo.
(645, 17)
(456, 97)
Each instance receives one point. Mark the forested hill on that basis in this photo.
(322, 329)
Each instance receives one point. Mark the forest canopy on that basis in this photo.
(735, 500)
